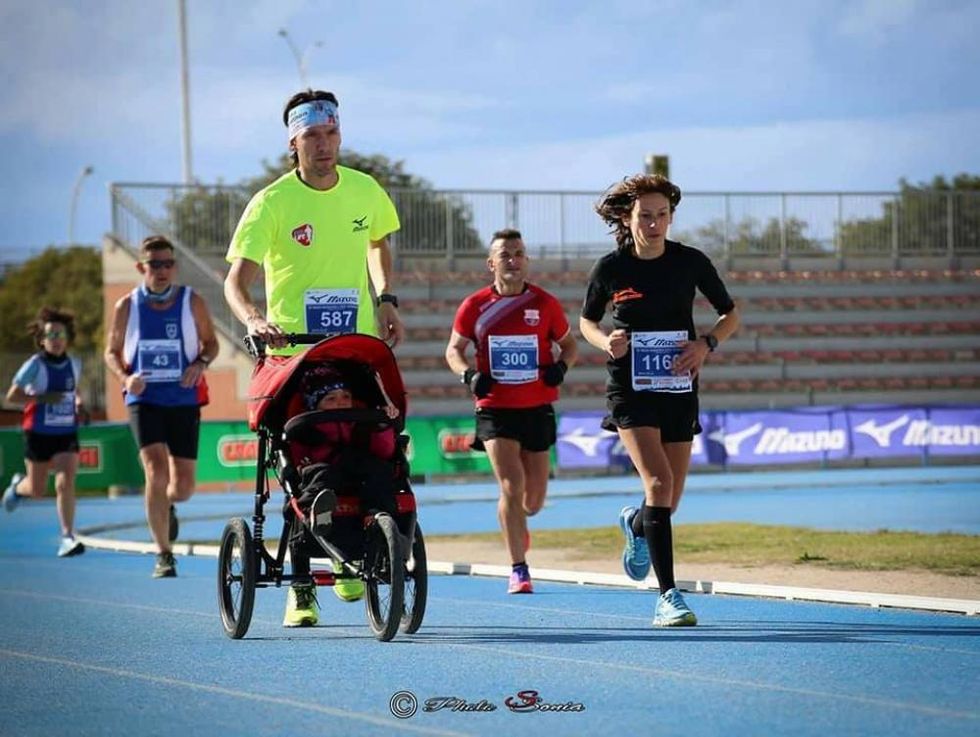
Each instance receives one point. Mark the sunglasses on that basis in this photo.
(55, 334)
(163, 263)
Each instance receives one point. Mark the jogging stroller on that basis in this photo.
(380, 544)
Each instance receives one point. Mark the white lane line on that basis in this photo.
(106, 603)
(305, 706)
(686, 676)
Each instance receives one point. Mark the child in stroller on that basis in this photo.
(335, 457)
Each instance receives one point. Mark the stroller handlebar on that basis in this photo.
(296, 426)
(256, 345)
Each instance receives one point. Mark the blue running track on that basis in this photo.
(93, 646)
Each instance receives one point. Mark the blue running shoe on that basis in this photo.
(673, 611)
(636, 556)
(10, 497)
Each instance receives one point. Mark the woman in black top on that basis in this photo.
(654, 359)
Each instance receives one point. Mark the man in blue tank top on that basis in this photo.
(160, 343)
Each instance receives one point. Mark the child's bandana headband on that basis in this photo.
(310, 114)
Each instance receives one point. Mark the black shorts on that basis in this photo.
(533, 427)
(675, 414)
(41, 448)
(178, 427)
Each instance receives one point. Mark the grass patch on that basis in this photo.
(743, 544)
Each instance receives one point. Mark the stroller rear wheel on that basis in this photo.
(384, 568)
(236, 578)
(416, 585)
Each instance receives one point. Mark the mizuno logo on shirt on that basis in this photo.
(625, 295)
(359, 224)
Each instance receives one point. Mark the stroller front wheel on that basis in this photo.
(236, 578)
(384, 569)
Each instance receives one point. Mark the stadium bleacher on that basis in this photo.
(817, 337)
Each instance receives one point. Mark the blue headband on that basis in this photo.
(309, 114)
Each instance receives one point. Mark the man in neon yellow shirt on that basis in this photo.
(313, 231)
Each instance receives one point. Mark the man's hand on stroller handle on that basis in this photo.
(268, 332)
(256, 344)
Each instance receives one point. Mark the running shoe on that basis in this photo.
(166, 566)
(673, 611)
(69, 547)
(520, 582)
(636, 555)
(347, 589)
(302, 609)
(10, 497)
(174, 524)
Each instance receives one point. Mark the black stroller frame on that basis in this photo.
(391, 560)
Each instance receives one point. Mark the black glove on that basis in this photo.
(478, 383)
(554, 374)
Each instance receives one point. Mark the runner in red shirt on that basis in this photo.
(514, 326)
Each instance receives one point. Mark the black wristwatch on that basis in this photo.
(712, 342)
(389, 298)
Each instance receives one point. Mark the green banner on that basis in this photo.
(226, 452)
(441, 445)
(438, 445)
(107, 456)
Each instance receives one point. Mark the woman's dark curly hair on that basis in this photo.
(616, 203)
(35, 328)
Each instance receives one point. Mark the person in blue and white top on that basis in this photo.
(46, 385)
(160, 343)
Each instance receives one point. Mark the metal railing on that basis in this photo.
(202, 269)
(726, 225)
(778, 226)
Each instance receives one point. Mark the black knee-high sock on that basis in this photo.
(300, 564)
(637, 522)
(660, 541)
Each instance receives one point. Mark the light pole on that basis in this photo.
(185, 93)
(300, 57)
(74, 203)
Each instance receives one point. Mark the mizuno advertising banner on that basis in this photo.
(805, 435)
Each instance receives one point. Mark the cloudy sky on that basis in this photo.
(744, 95)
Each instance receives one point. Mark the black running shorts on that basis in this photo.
(675, 414)
(178, 427)
(533, 427)
(41, 448)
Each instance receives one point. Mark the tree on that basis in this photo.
(69, 278)
(748, 238)
(918, 221)
(204, 218)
